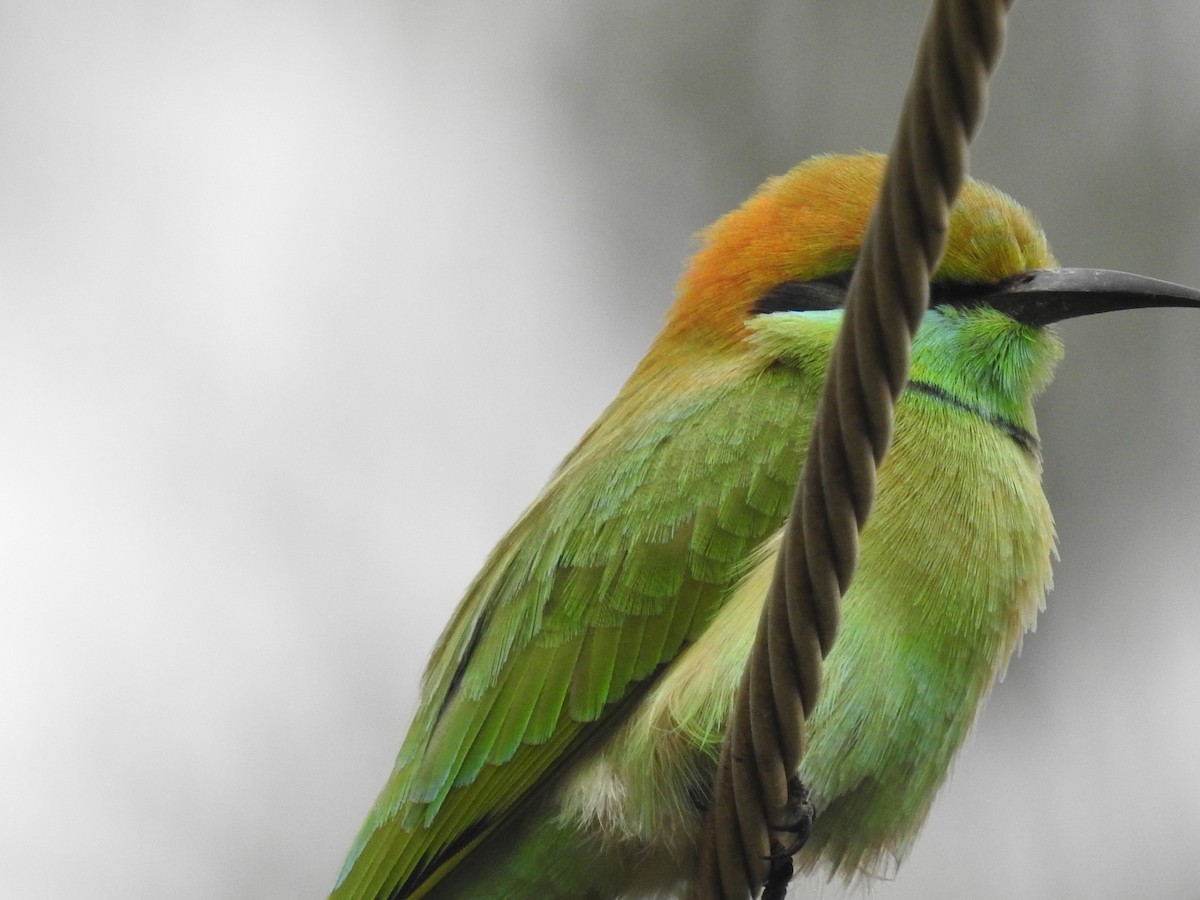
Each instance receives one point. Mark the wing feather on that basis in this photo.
(621, 562)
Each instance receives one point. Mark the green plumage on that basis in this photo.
(575, 704)
(598, 584)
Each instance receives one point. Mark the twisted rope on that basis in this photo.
(887, 298)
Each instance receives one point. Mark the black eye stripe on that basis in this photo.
(830, 293)
(801, 296)
(963, 293)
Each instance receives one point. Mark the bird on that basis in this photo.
(573, 710)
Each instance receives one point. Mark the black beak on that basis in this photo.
(1044, 296)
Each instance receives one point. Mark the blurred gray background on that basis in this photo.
(301, 303)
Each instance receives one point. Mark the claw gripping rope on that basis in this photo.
(887, 298)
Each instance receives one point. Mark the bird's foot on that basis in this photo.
(798, 823)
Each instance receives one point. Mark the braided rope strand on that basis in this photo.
(887, 298)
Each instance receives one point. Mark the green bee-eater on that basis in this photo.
(574, 707)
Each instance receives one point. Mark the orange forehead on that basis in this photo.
(810, 223)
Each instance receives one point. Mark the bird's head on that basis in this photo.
(770, 280)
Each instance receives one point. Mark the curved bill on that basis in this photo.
(1044, 296)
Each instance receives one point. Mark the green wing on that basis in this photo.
(620, 563)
